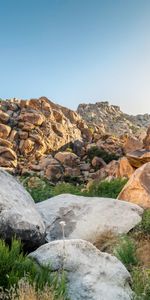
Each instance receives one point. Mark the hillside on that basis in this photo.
(31, 128)
(112, 119)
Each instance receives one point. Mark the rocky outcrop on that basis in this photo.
(112, 119)
(137, 189)
(31, 128)
(115, 169)
(86, 217)
(138, 157)
(18, 215)
(90, 273)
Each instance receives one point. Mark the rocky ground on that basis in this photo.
(111, 119)
(100, 242)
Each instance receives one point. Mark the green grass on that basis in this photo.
(125, 251)
(145, 224)
(141, 283)
(45, 190)
(107, 189)
(14, 265)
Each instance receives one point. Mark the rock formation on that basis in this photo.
(18, 215)
(87, 216)
(31, 128)
(137, 189)
(90, 273)
(111, 119)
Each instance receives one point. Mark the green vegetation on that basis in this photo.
(41, 189)
(108, 189)
(107, 157)
(141, 283)
(126, 252)
(14, 266)
(145, 224)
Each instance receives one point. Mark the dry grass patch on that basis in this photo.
(105, 241)
(26, 291)
(143, 252)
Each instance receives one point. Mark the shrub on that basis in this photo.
(141, 283)
(66, 188)
(107, 157)
(126, 252)
(145, 223)
(42, 191)
(14, 265)
(109, 189)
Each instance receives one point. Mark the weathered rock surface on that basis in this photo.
(36, 127)
(138, 157)
(91, 274)
(115, 169)
(18, 214)
(146, 141)
(87, 216)
(137, 189)
(132, 144)
(112, 119)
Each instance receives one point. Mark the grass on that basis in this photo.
(45, 190)
(104, 241)
(125, 251)
(15, 265)
(107, 189)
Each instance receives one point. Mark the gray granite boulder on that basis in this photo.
(18, 214)
(87, 216)
(91, 274)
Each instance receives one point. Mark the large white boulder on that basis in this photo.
(86, 217)
(18, 214)
(91, 274)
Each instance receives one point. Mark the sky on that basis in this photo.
(76, 51)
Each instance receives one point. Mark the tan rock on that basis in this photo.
(4, 131)
(26, 146)
(7, 153)
(138, 157)
(53, 172)
(146, 141)
(67, 158)
(75, 172)
(12, 135)
(23, 135)
(132, 144)
(5, 143)
(8, 163)
(115, 169)
(4, 117)
(137, 189)
(33, 118)
(98, 162)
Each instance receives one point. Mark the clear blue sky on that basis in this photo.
(75, 51)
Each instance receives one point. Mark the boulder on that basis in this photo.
(53, 172)
(4, 131)
(87, 216)
(138, 158)
(132, 144)
(137, 189)
(90, 273)
(18, 215)
(115, 169)
(7, 153)
(146, 141)
(98, 162)
(32, 117)
(4, 117)
(67, 158)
